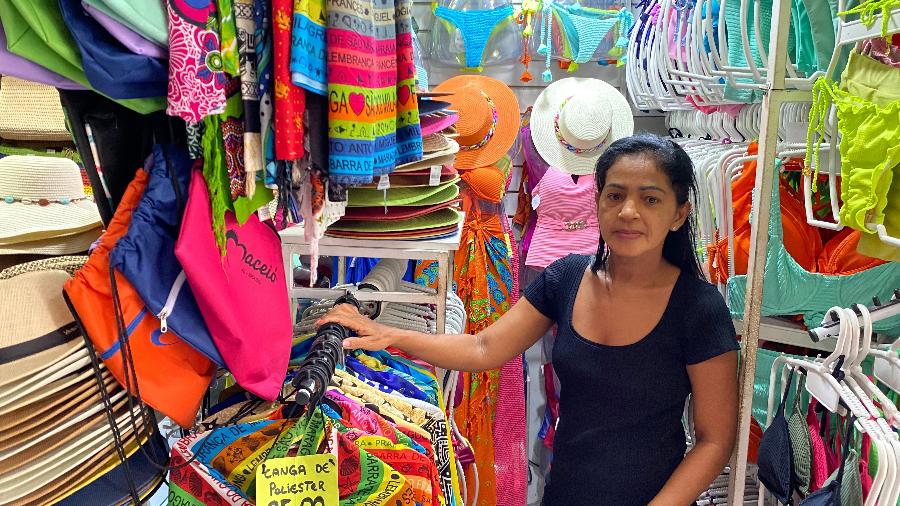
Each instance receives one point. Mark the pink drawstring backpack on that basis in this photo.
(242, 296)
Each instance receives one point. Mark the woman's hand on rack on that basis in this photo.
(370, 335)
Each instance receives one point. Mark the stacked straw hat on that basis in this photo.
(55, 433)
(31, 111)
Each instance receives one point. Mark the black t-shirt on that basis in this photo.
(620, 435)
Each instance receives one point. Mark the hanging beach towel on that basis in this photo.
(109, 66)
(146, 254)
(243, 295)
(171, 376)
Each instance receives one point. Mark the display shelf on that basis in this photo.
(441, 250)
(781, 331)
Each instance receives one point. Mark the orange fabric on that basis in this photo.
(801, 240)
(487, 183)
(523, 203)
(839, 255)
(482, 275)
(172, 377)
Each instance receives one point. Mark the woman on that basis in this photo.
(638, 330)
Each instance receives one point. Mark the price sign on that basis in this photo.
(310, 480)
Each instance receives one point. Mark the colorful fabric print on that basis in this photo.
(196, 81)
(368, 479)
(237, 460)
(308, 46)
(196, 484)
(355, 86)
(228, 37)
(484, 283)
(290, 101)
(264, 74)
(246, 39)
(232, 135)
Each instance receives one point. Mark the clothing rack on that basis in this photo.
(877, 311)
(770, 114)
(326, 353)
(777, 93)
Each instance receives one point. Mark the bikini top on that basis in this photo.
(566, 217)
(832, 494)
(776, 459)
(488, 183)
(789, 289)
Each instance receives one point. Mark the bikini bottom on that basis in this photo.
(475, 27)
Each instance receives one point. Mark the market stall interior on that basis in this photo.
(188, 187)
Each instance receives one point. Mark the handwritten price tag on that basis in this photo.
(298, 481)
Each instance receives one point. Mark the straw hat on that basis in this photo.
(31, 111)
(43, 197)
(575, 119)
(27, 417)
(62, 245)
(70, 264)
(36, 328)
(488, 118)
(437, 149)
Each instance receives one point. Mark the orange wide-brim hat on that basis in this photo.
(488, 118)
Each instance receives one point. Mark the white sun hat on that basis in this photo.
(43, 198)
(575, 119)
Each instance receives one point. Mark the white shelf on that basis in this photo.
(441, 250)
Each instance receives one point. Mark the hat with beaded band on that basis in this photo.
(42, 198)
(488, 118)
(575, 119)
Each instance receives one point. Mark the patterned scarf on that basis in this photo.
(228, 37)
(196, 80)
(264, 75)
(290, 101)
(246, 30)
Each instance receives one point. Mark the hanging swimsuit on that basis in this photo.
(830, 494)
(475, 27)
(776, 461)
(789, 289)
(867, 103)
(800, 445)
(584, 29)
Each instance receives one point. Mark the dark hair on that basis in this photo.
(678, 249)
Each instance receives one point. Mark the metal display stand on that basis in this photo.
(440, 250)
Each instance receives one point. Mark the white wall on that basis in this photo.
(526, 92)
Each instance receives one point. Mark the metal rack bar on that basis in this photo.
(878, 312)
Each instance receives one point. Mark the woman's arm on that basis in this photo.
(509, 336)
(715, 396)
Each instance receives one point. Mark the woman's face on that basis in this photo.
(637, 207)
